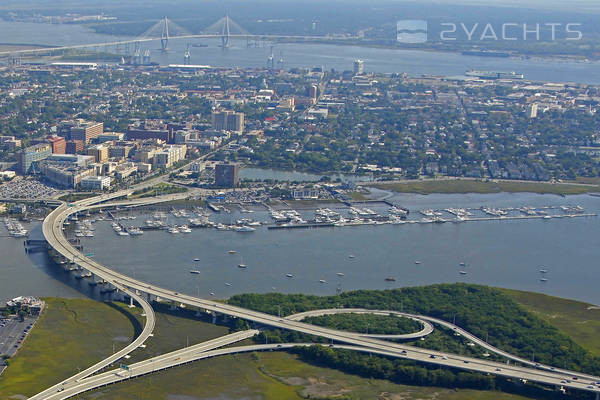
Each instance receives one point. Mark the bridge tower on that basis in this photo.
(164, 37)
(271, 60)
(225, 33)
(187, 56)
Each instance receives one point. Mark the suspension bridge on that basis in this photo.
(166, 30)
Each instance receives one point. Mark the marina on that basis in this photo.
(413, 253)
(183, 221)
(15, 228)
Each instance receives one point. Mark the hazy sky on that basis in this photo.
(583, 6)
(571, 5)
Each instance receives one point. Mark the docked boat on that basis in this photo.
(173, 230)
(185, 229)
(244, 229)
(135, 231)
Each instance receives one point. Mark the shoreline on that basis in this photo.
(478, 186)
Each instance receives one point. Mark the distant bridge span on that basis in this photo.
(198, 36)
(225, 29)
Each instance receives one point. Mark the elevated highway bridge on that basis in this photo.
(143, 293)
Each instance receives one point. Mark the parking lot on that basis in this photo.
(12, 334)
(20, 188)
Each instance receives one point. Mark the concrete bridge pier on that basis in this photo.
(131, 302)
(198, 313)
(214, 317)
(597, 396)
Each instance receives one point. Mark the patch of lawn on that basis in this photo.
(450, 186)
(71, 334)
(175, 329)
(228, 377)
(578, 320)
(272, 376)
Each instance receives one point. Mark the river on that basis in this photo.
(498, 253)
(413, 62)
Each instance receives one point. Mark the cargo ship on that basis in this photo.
(494, 74)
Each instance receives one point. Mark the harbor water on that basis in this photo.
(412, 62)
(497, 253)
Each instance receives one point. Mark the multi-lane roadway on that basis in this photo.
(52, 229)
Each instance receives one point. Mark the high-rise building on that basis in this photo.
(100, 153)
(228, 121)
(74, 146)
(58, 144)
(86, 131)
(31, 155)
(169, 156)
(359, 67)
(226, 175)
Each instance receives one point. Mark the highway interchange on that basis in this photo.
(143, 292)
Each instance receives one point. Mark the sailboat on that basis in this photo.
(241, 264)
(389, 277)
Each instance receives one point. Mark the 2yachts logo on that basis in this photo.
(416, 31)
(510, 31)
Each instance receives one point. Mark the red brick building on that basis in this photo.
(58, 144)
